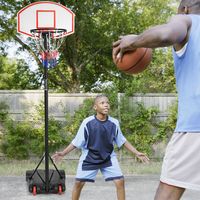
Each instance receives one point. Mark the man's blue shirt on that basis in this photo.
(187, 71)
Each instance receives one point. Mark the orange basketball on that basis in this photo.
(134, 62)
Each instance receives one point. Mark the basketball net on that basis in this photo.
(48, 41)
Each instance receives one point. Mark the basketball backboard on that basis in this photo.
(45, 15)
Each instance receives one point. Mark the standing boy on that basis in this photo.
(96, 137)
(181, 163)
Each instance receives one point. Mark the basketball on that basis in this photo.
(134, 62)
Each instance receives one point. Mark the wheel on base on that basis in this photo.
(34, 190)
(60, 189)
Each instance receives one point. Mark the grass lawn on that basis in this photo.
(129, 167)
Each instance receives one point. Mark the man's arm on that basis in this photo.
(175, 32)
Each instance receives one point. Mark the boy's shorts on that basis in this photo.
(181, 165)
(110, 173)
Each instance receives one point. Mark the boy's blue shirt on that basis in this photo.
(97, 139)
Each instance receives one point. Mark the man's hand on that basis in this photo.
(124, 44)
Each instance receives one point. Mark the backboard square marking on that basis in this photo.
(42, 16)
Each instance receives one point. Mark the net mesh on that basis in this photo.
(48, 41)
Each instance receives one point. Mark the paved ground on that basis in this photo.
(137, 188)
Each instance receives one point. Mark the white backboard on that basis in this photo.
(45, 14)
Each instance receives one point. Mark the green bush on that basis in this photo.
(138, 124)
(3, 116)
(73, 122)
(3, 111)
(58, 137)
(20, 140)
(166, 128)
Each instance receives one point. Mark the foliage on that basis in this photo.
(73, 122)
(166, 128)
(15, 74)
(57, 135)
(16, 139)
(138, 124)
(3, 111)
(3, 116)
(23, 139)
(158, 77)
(134, 17)
(86, 60)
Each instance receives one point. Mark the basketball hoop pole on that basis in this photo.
(45, 65)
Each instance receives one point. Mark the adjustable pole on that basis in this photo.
(45, 65)
(46, 129)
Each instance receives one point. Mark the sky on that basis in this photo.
(13, 52)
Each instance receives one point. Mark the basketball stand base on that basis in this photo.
(37, 185)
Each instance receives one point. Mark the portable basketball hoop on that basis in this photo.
(47, 23)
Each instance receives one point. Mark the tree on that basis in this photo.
(159, 76)
(86, 56)
(15, 74)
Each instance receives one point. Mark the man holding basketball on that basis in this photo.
(181, 163)
(96, 138)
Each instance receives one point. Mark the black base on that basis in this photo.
(37, 185)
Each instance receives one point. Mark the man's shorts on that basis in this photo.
(110, 173)
(181, 164)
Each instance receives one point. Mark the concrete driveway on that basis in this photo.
(137, 187)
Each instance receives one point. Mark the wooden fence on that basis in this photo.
(23, 102)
